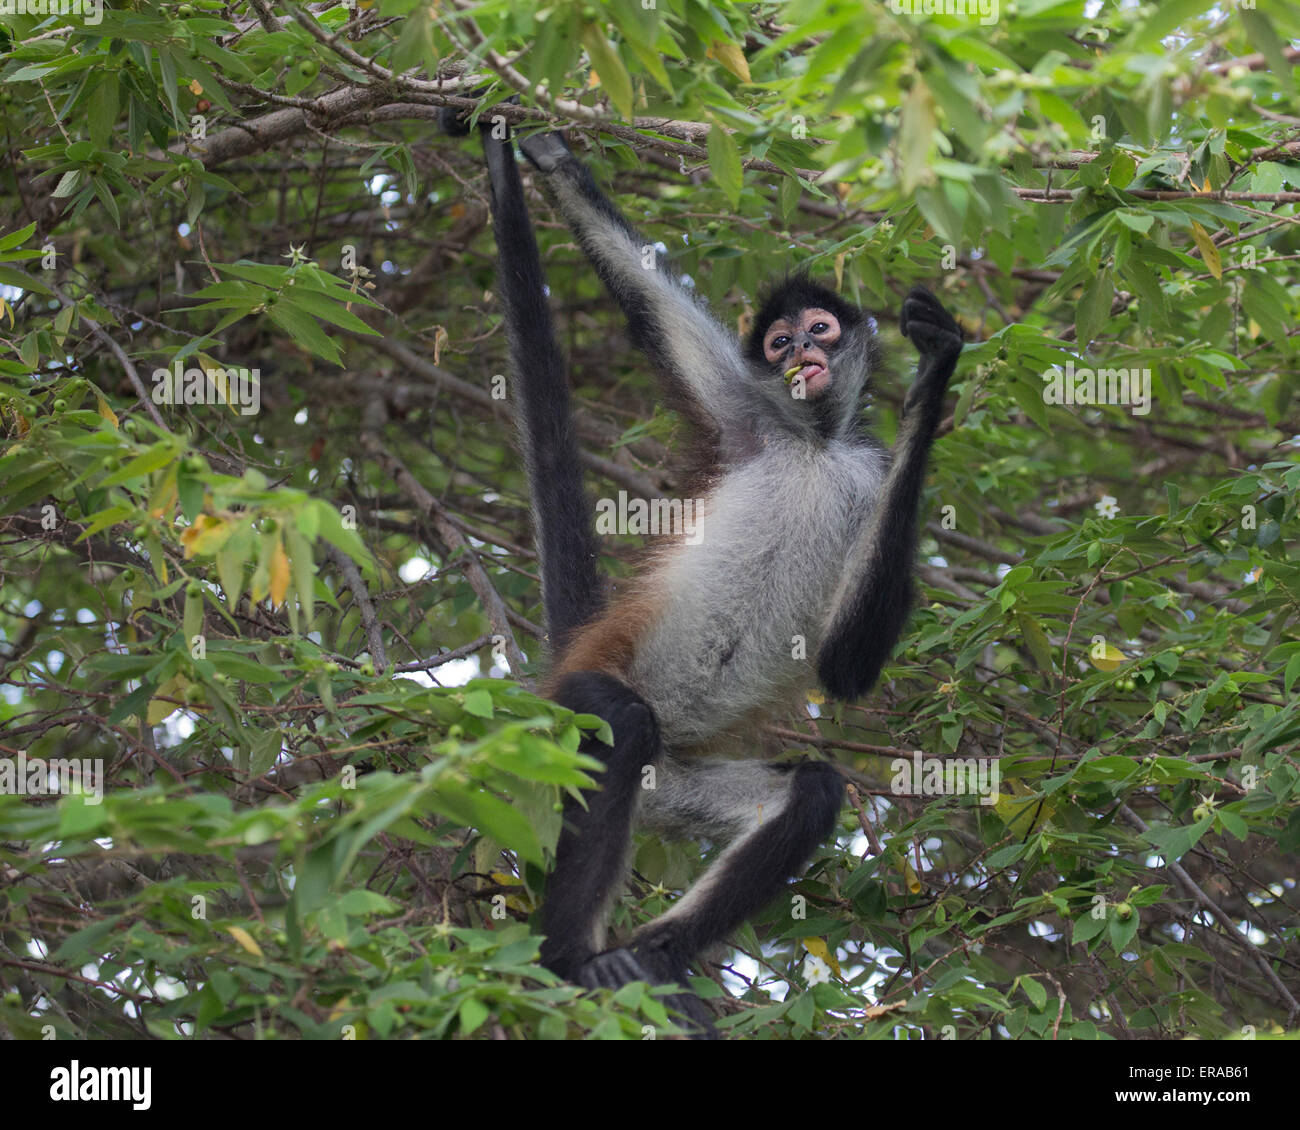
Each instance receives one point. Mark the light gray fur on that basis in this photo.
(775, 534)
(721, 799)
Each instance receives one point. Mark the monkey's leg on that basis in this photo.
(870, 608)
(774, 817)
(572, 589)
(591, 857)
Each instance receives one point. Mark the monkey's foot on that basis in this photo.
(545, 150)
(618, 967)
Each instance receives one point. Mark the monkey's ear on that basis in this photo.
(452, 122)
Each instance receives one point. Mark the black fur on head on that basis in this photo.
(785, 298)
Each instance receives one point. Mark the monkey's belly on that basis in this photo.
(742, 612)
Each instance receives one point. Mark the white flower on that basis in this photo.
(816, 971)
(1107, 507)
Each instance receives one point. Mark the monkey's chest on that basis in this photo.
(743, 610)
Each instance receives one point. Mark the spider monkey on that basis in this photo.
(809, 536)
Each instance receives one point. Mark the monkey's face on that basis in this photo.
(800, 348)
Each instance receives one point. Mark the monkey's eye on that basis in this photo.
(820, 328)
(780, 341)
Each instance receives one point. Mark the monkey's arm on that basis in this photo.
(874, 597)
(699, 358)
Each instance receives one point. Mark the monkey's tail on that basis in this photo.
(572, 587)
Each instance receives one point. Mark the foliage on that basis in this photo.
(243, 601)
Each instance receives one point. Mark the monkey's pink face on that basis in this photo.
(799, 347)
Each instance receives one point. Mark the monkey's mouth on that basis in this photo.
(816, 378)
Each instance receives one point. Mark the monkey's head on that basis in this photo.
(817, 346)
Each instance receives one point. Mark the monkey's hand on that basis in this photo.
(547, 151)
(453, 122)
(937, 337)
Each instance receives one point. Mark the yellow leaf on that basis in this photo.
(732, 57)
(1020, 812)
(440, 341)
(106, 411)
(196, 87)
(279, 574)
(1105, 657)
(158, 710)
(207, 535)
(839, 269)
(164, 498)
(815, 696)
(818, 948)
(1209, 252)
(910, 878)
(245, 939)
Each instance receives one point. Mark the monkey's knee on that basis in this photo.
(630, 717)
(817, 795)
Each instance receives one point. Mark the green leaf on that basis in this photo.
(610, 69)
(725, 164)
(479, 703)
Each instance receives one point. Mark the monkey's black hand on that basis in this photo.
(931, 328)
(453, 122)
(937, 337)
(618, 967)
(545, 150)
